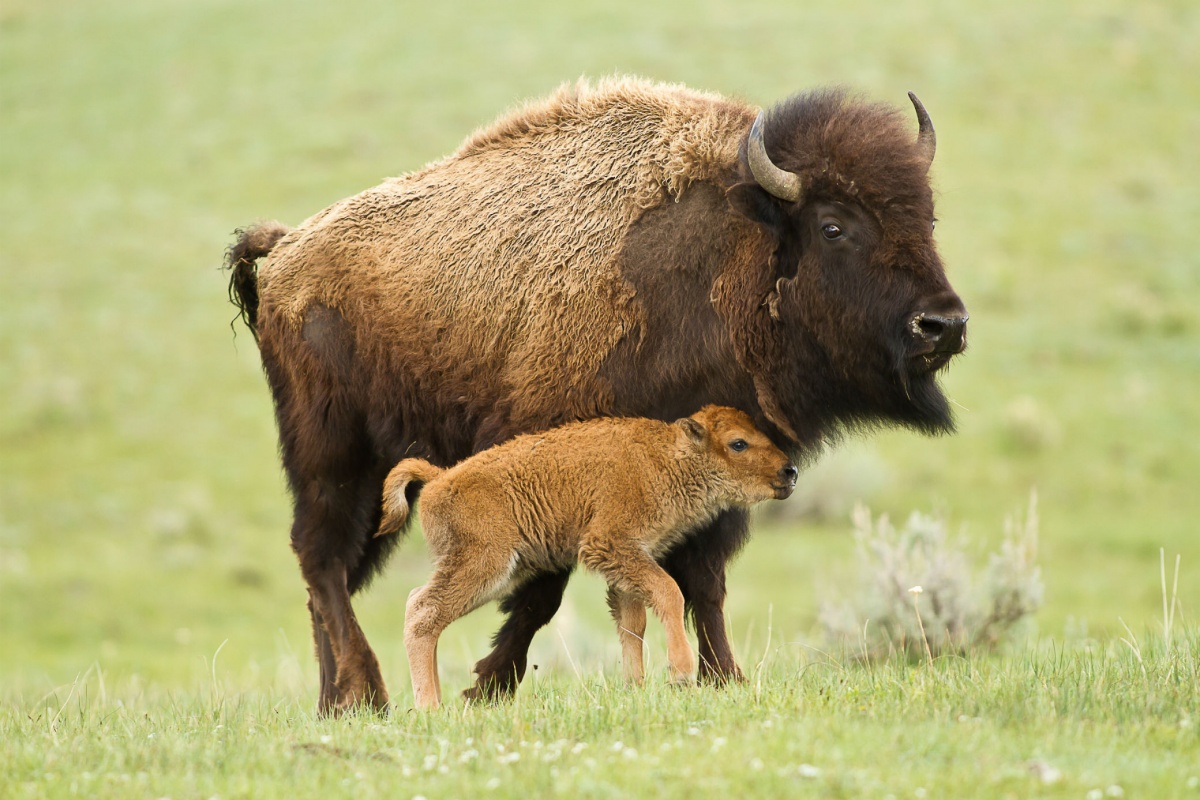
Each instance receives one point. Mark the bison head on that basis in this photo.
(856, 314)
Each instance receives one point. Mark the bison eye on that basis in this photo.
(831, 231)
(738, 445)
(933, 224)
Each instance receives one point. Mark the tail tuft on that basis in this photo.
(405, 478)
(252, 244)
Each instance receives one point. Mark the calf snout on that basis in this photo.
(785, 481)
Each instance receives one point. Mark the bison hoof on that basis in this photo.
(489, 692)
(713, 676)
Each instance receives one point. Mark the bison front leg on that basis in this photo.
(529, 608)
(698, 566)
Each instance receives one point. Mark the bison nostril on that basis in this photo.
(789, 472)
(931, 326)
(944, 333)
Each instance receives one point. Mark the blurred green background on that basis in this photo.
(143, 518)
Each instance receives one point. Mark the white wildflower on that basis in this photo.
(1046, 773)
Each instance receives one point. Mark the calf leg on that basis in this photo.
(529, 608)
(422, 626)
(460, 583)
(628, 567)
(698, 566)
(630, 613)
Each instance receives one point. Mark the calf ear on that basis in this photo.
(694, 430)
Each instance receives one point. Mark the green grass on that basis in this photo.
(143, 521)
(1058, 724)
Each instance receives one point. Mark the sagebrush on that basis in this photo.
(917, 593)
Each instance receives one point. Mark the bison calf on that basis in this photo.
(614, 494)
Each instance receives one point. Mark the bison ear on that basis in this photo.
(693, 429)
(752, 202)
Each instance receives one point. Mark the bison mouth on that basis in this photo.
(783, 490)
(937, 339)
(929, 363)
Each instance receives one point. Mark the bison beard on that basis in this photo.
(611, 250)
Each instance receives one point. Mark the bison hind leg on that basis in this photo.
(529, 608)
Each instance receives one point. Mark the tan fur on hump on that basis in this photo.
(521, 226)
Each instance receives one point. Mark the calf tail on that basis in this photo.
(252, 244)
(400, 490)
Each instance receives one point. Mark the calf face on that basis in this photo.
(754, 468)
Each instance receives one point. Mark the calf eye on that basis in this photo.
(831, 231)
(738, 445)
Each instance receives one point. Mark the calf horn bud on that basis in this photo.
(926, 137)
(779, 182)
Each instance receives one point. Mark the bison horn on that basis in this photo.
(779, 182)
(926, 137)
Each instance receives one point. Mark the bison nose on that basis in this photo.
(944, 334)
(789, 473)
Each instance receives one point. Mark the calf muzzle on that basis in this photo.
(785, 482)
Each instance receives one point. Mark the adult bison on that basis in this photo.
(626, 248)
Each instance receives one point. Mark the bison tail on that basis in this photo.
(400, 490)
(252, 244)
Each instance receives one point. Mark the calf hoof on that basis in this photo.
(682, 680)
(426, 706)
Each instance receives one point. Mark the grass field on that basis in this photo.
(147, 595)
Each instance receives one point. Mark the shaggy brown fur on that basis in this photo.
(606, 251)
(615, 494)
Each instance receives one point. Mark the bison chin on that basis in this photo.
(922, 405)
